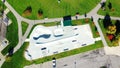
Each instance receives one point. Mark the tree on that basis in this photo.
(111, 29)
(85, 15)
(92, 19)
(115, 42)
(103, 5)
(40, 12)
(107, 21)
(95, 28)
(10, 51)
(110, 5)
(117, 27)
(29, 9)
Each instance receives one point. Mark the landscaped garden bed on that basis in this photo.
(111, 30)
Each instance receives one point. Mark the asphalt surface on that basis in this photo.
(91, 59)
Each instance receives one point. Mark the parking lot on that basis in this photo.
(91, 59)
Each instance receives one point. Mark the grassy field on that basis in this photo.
(12, 33)
(24, 27)
(52, 9)
(115, 10)
(18, 60)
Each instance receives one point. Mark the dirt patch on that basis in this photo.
(26, 13)
(39, 16)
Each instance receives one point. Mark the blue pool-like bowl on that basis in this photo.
(46, 36)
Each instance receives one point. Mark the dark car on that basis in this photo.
(43, 48)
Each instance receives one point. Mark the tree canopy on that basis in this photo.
(103, 4)
(107, 21)
(110, 5)
(117, 26)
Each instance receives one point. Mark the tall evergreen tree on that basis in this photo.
(110, 5)
(117, 26)
(103, 4)
(107, 21)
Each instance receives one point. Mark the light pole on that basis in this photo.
(75, 62)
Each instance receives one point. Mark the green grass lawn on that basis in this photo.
(116, 7)
(24, 27)
(52, 9)
(18, 60)
(12, 33)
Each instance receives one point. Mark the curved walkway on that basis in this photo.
(19, 18)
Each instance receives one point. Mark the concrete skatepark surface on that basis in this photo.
(73, 37)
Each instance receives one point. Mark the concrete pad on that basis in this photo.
(112, 50)
(73, 37)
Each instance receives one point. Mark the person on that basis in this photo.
(76, 17)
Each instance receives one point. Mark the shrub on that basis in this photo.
(40, 11)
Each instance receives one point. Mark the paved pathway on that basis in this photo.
(33, 22)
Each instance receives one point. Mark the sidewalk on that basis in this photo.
(112, 50)
(2, 59)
